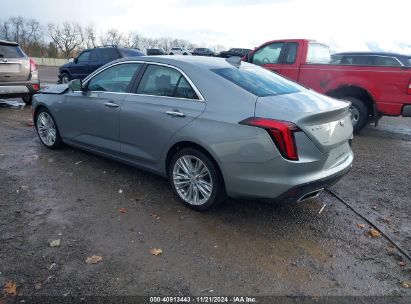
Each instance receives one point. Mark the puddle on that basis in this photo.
(12, 103)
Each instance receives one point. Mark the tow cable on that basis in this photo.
(369, 222)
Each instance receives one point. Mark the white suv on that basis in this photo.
(179, 51)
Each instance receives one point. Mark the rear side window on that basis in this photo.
(164, 81)
(291, 53)
(109, 54)
(259, 82)
(10, 51)
(131, 53)
(114, 79)
(386, 61)
(318, 53)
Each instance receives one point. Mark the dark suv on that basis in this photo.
(234, 52)
(18, 73)
(203, 52)
(154, 52)
(91, 59)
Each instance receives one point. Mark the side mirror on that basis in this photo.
(76, 85)
(71, 60)
(75, 60)
(248, 57)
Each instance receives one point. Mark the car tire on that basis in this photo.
(359, 113)
(28, 99)
(207, 191)
(185, 54)
(171, 54)
(47, 130)
(65, 78)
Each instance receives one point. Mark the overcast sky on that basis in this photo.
(357, 25)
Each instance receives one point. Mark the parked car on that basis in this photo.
(159, 51)
(234, 52)
(213, 126)
(371, 59)
(179, 51)
(91, 59)
(373, 91)
(203, 52)
(18, 73)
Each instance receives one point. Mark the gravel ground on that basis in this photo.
(96, 206)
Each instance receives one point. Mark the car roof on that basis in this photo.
(183, 61)
(5, 42)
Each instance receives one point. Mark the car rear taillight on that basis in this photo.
(33, 65)
(409, 88)
(281, 132)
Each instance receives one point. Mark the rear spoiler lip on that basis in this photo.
(11, 43)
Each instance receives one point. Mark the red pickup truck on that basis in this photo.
(373, 90)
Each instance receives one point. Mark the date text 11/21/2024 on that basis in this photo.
(203, 299)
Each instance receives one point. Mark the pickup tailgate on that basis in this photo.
(326, 121)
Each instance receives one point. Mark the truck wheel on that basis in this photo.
(65, 78)
(359, 113)
(27, 99)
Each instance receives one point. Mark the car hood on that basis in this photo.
(54, 89)
(327, 121)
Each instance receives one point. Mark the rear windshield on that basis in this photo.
(10, 51)
(258, 81)
(318, 53)
(131, 53)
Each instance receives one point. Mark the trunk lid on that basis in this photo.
(326, 121)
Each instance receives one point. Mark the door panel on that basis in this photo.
(85, 118)
(145, 126)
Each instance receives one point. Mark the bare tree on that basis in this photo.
(111, 37)
(66, 37)
(34, 36)
(5, 30)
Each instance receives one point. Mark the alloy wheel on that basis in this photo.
(46, 129)
(192, 180)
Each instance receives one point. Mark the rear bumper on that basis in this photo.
(18, 89)
(311, 189)
(292, 183)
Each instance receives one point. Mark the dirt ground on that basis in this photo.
(96, 206)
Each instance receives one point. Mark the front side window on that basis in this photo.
(258, 81)
(85, 56)
(114, 79)
(269, 54)
(164, 81)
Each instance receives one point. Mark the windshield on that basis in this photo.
(318, 53)
(258, 81)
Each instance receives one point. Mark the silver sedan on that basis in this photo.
(215, 127)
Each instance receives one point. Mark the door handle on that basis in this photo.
(175, 113)
(111, 104)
